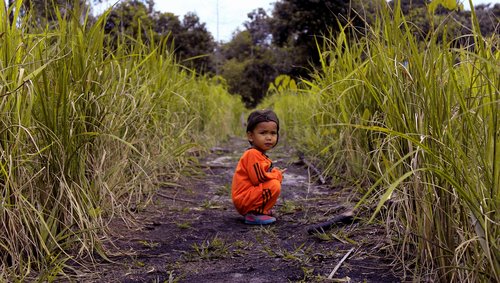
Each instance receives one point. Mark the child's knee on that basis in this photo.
(275, 186)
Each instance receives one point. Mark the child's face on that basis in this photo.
(264, 136)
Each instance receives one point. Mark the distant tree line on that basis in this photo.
(286, 41)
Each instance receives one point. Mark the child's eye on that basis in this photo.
(268, 133)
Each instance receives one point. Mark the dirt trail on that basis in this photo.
(193, 233)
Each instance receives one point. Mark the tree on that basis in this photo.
(130, 18)
(195, 44)
(489, 18)
(166, 24)
(191, 41)
(240, 47)
(248, 68)
(282, 44)
(301, 24)
(456, 23)
(42, 12)
(259, 27)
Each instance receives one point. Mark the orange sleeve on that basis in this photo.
(257, 165)
(276, 174)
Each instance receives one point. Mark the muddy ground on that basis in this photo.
(192, 233)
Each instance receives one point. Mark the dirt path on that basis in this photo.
(193, 233)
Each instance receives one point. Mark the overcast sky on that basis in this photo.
(231, 13)
(223, 17)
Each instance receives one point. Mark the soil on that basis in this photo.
(192, 233)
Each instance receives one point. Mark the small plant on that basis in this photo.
(223, 190)
(183, 225)
(268, 231)
(323, 236)
(341, 236)
(288, 207)
(309, 275)
(300, 255)
(208, 204)
(210, 249)
(139, 263)
(241, 247)
(171, 278)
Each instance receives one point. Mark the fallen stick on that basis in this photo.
(344, 218)
(316, 170)
(340, 263)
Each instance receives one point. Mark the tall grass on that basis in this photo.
(416, 126)
(87, 131)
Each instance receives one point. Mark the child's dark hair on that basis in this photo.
(258, 116)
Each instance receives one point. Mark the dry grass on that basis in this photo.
(88, 131)
(415, 126)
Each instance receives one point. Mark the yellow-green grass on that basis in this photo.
(87, 130)
(416, 126)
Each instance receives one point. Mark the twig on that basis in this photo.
(179, 199)
(340, 263)
(316, 170)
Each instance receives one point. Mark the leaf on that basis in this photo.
(448, 4)
(366, 116)
(94, 212)
(387, 195)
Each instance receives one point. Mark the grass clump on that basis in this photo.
(210, 249)
(87, 131)
(416, 126)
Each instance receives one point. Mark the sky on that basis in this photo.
(223, 17)
(231, 13)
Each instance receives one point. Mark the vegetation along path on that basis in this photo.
(193, 234)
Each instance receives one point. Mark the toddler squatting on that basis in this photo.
(256, 182)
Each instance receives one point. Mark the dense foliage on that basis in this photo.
(291, 38)
(189, 38)
(89, 129)
(416, 129)
(287, 41)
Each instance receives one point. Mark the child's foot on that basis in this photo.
(259, 219)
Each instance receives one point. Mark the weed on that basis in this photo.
(268, 231)
(288, 207)
(242, 247)
(183, 225)
(214, 248)
(209, 204)
(340, 236)
(223, 190)
(301, 255)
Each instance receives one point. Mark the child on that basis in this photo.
(256, 183)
